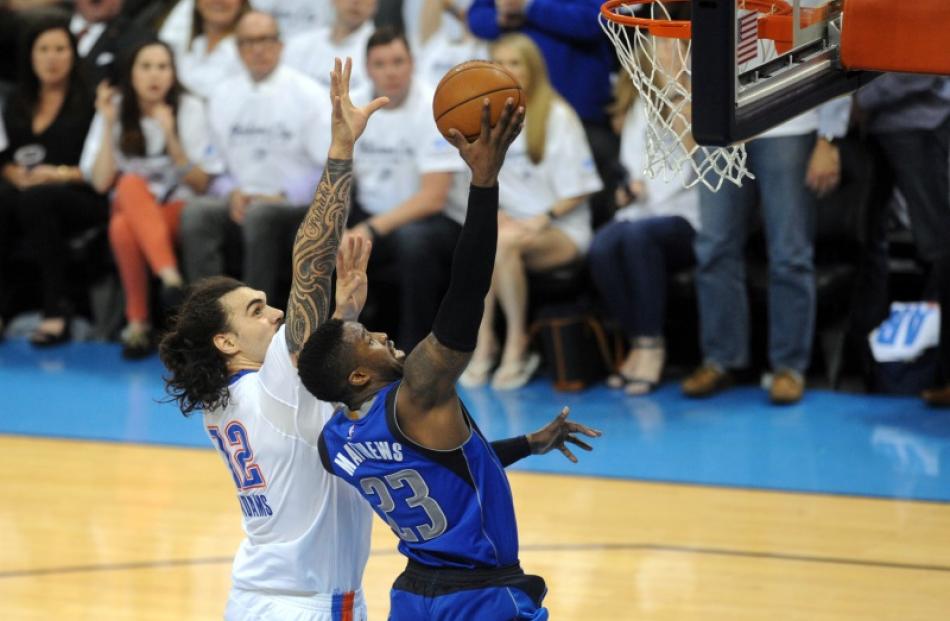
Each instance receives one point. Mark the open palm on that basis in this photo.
(349, 120)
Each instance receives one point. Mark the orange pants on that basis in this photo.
(142, 233)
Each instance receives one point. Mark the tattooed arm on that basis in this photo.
(318, 237)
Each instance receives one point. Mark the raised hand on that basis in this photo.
(351, 282)
(486, 155)
(105, 102)
(557, 433)
(348, 120)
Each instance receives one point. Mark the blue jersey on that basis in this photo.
(449, 508)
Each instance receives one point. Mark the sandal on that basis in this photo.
(512, 375)
(476, 373)
(42, 338)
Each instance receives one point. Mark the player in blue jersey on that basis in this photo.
(410, 446)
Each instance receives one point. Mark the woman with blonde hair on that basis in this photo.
(545, 184)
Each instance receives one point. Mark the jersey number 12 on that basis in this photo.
(239, 456)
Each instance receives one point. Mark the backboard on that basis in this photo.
(758, 63)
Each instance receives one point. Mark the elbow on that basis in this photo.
(101, 185)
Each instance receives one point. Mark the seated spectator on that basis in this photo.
(296, 16)
(650, 237)
(270, 125)
(152, 144)
(211, 55)
(104, 31)
(347, 36)
(908, 118)
(443, 38)
(545, 185)
(573, 46)
(44, 193)
(410, 186)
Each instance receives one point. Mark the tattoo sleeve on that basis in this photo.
(314, 254)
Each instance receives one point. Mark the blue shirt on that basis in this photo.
(578, 54)
(449, 508)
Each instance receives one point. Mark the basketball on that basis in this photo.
(458, 97)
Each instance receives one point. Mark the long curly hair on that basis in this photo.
(198, 378)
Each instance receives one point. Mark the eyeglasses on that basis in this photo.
(255, 41)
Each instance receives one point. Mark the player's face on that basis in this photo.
(354, 13)
(259, 44)
(152, 74)
(52, 57)
(390, 68)
(251, 321)
(375, 351)
(509, 58)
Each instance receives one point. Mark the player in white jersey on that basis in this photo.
(234, 357)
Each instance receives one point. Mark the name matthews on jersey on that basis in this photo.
(358, 452)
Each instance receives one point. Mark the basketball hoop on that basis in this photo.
(655, 51)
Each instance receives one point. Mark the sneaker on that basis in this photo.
(706, 381)
(788, 387)
(937, 397)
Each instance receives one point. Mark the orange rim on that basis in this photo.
(681, 28)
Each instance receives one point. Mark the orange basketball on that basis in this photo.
(458, 97)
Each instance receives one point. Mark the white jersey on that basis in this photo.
(397, 148)
(565, 171)
(313, 51)
(307, 532)
(156, 166)
(274, 134)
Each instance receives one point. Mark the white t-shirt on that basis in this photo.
(295, 16)
(274, 134)
(397, 148)
(156, 165)
(306, 531)
(567, 170)
(661, 197)
(176, 29)
(443, 51)
(201, 71)
(312, 53)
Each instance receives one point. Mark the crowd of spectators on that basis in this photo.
(195, 131)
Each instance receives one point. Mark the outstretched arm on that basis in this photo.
(431, 370)
(318, 237)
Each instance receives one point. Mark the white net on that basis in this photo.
(660, 70)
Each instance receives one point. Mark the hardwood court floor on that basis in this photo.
(108, 531)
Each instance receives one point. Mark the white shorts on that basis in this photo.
(259, 606)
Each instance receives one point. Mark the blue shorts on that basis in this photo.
(434, 594)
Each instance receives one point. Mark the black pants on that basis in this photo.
(920, 164)
(48, 215)
(416, 259)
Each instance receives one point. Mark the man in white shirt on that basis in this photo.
(234, 357)
(347, 36)
(270, 125)
(411, 189)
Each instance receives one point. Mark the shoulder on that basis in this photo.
(229, 92)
